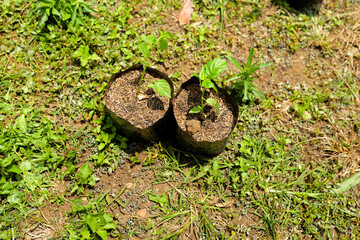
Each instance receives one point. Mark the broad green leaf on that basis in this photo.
(101, 146)
(202, 74)
(213, 102)
(14, 169)
(20, 123)
(110, 225)
(215, 67)
(14, 198)
(93, 223)
(94, 56)
(85, 56)
(150, 39)
(196, 109)
(43, 20)
(85, 233)
(25, 166)
(144, 50)
(107, 218)
(102, 233)
(162, 87)
(209, 84)
(165, 35)
(85, 171)
(258, 94)
(56, 12)
(163, 44)
(66, 16)
(105, 136)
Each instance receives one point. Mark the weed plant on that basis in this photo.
(63, 13)
(243, 87)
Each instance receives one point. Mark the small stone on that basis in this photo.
(128, 185)
(141, 213)
(142, 97)
(193, 126)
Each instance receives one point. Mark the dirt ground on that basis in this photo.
(306, 67)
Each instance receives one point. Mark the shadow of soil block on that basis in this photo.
(146, 116)
(209, 135)
(315, 4)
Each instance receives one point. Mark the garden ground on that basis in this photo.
(289, 171)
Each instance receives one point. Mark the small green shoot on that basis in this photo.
(85, 177)
(146, 46)
(243, 88)
(209, 72)
(83, 53)
(99, 223)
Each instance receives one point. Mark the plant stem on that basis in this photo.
(202, 102)
(141, 79)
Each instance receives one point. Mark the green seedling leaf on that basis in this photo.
(347, 184)
(165, 35)
(196, 109)
(243, 88)
(215, 67)
(209, 84)
(150, 39)
(163, 44)
(14, 198)
(202, 75)
(212, 102)
(162, 87)
(163, 40)
(144, 50)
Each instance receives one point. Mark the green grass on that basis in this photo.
(290, 169)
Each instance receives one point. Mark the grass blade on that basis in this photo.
(348, 183)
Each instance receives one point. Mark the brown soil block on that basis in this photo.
(146, 116)
(203, 136)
